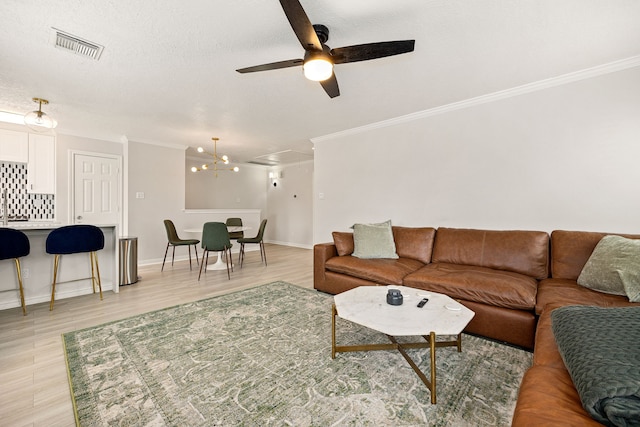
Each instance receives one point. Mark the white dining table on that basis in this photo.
(219, 264)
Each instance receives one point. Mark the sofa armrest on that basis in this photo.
(322, 252)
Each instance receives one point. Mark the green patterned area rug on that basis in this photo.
(262, 357)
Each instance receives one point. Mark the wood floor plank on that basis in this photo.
(35, 390)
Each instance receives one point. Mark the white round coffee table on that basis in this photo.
(367, 306)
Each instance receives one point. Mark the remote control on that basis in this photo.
(423, 302)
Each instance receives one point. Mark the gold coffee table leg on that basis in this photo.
(432, 345)
(334, 313)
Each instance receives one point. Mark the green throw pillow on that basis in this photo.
(614, 267)
(374, 241)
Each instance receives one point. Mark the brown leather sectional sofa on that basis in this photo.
(547, 395)
(494, 273)
(512, 280)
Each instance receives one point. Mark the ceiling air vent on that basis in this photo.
(75, 44)
(263, 163)
(281, 158)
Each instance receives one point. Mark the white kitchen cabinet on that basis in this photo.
(41, 173)
(14, 146)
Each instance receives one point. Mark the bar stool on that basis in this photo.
(73, 239)
(15, 244)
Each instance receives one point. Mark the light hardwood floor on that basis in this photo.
(33, 376)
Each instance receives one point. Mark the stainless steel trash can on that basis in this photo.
(128, 255)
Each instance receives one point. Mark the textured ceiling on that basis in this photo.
(167, 72)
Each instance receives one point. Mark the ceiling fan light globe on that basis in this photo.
(194, 169)
(317, 69)
(236, 169)
(205, 167)
(200, 150)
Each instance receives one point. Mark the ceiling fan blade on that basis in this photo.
(331, 86)
(364, 52)
(272, 66)
(301, 25)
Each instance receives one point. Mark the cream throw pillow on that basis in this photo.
(614, 267)
(374, 241)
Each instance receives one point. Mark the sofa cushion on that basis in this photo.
(524, 252)
(343, 242)
(614, 267)
(479, 284)
(547, 397)
(570, 251)
(374, 241)
(414, 242)
(568, 292)
(382, 271)
(411, 242)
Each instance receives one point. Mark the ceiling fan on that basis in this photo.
(319, 58)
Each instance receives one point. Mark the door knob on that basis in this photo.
(79, 217)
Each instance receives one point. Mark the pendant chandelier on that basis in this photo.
(38, 120)
(213, 165)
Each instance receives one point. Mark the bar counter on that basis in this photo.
(37, 268)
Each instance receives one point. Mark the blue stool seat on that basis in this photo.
(15, 244)
(73, 239)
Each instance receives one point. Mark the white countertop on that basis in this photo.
(33, 225)
(42, 225)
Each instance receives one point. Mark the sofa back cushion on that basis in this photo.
(374, 241)
(414, 242)
(524, 252)
(411, 242)
(570, 251)
(344, 242)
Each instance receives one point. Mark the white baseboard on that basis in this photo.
(60, 295)
(293, 245)
(234, 250)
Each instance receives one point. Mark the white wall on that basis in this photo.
(565, 157)
(290, 206)
(287, 206)
(230, 190)
(158, 172)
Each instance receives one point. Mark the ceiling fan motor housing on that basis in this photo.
(316, 54)
(322, 32)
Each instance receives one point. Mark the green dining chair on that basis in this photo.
(259, 239)
(174, 240)
(235, 222)
(215, 238)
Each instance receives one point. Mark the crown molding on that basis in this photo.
(160, 144)
(575, 76)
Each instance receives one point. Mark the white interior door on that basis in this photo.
(96, 189)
